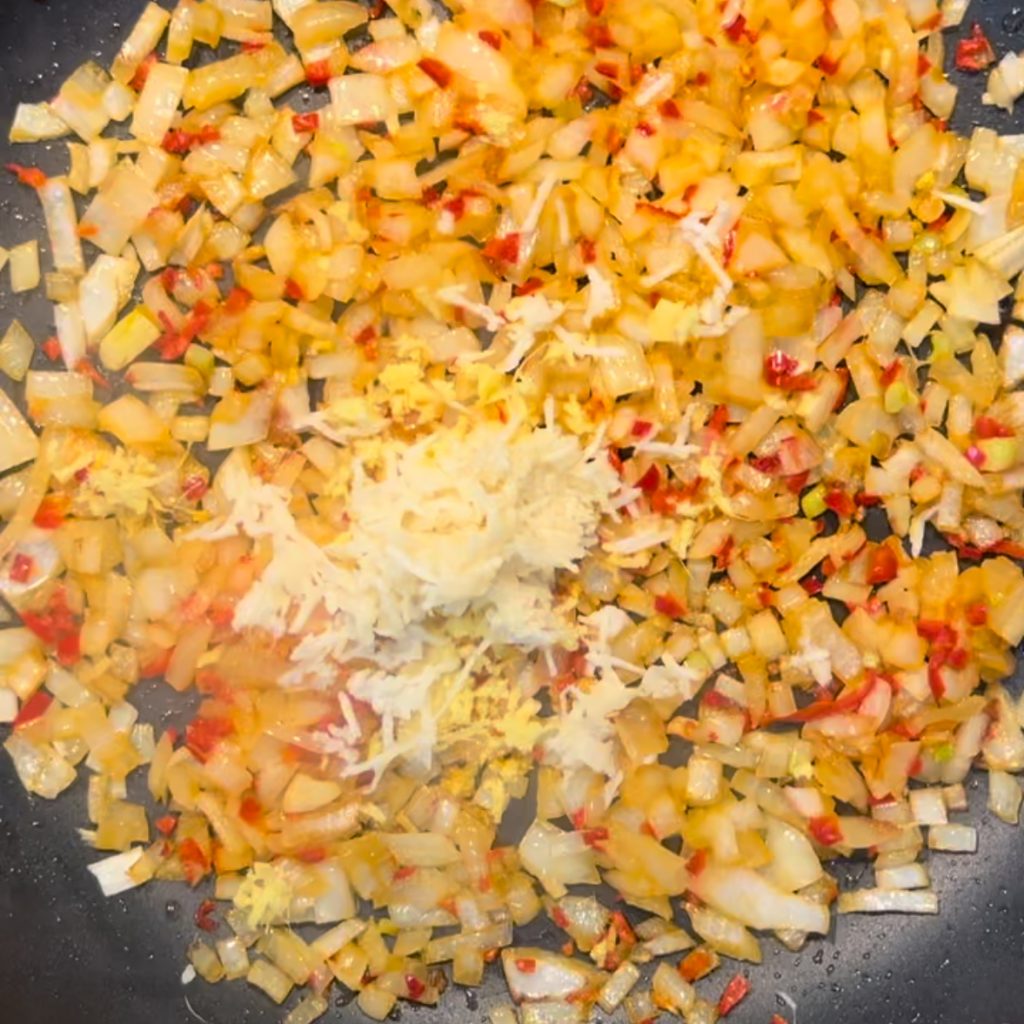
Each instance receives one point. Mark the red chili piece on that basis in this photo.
(503, 249)
(736, 28)
(666, 604)
(22, 568)
(883, 565)
(204, 734)
(977, 614)
(194, 488)
(237, 301)
(840, 503)
(318, 73)
(174, 342)
(166, 825)
(35, 707)
(974, 53)
(193, 860)
(735, 992)
(698, 862)
(305, 122)
(203, 916)
(436, 70)
(987, 426)
(650, 481)
(825, 830)
(780, 371)
(28, 175)
(250, 810)
(57, 627)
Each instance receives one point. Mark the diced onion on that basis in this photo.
(888, 901)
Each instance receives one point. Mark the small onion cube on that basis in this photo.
(618, 986)
(270, 979)
(34, 122)
(141, 42)
(928, 807)
(888, 901)
(18, 441)
(953, 838)
(1004, 796)
(672, 990)
(312, 1008)
(158, 103)
(955, 797)
(8, 706)
(553, 1013)
(535, 975)
(24, 267)
(906, 876)
(376, 1002)
(16, 350)
(112, 872)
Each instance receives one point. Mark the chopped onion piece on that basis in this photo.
(617, 987)
(18, 442)
(16, 351)
(112, 873)
(8, 706)
(1004, 796)
(80, 102)
(24, 267)
(888, 901)
(909, 876)
(141, 42)
(953, 838)
(272, 980)
(158, 103)
(535, 975)
(34, 122)
(928, 807)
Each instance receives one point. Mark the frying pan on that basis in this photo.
(69, 956)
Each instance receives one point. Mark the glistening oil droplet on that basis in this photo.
(1013, 20)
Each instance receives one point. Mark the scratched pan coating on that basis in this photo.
(68, 956)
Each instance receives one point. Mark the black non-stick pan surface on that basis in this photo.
(69, 956)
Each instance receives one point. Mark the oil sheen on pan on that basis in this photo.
(511, 512)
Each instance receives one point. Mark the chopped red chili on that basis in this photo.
(35, 707)
(22, 568)
(28, 175)
(203, 916)
(436, 70)
(735, 992)
(780, 371)
(306, 122)
(974, 53)
(826, 830)
(666, 604)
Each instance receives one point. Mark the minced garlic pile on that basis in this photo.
(557, 391)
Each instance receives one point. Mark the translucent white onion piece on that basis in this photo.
(1004, 796)
(888, 901)
(62, 225)
(112, 873)
(34, 122)
(18, 441)
(953, 838)
(535, 974)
